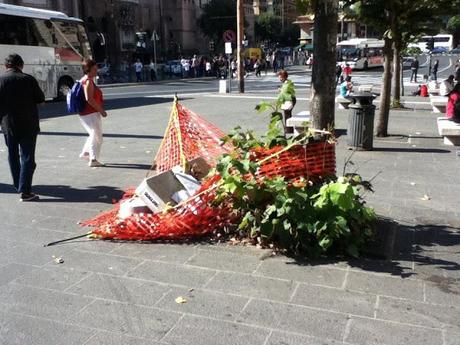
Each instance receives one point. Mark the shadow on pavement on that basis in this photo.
(413, 150)
(106, 135)
(428, 252)
(59, 109)
(128, 166)
(62, 193)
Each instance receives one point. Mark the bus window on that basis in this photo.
(69, 45)
(84, 41)
(13, 30)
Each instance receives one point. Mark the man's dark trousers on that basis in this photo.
(21, 157)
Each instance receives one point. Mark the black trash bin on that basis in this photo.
(361, 121)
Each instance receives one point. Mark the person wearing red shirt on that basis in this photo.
(347, 70)
(91, 116)
(453, 104)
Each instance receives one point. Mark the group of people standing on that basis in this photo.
(20, 95)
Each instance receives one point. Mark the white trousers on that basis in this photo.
(92, 123)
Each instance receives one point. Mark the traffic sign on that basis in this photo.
(228, 47)
(229, 36)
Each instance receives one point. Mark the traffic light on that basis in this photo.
(430, 44)
(211, 46)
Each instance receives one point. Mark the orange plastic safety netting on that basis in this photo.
(188, 136)
(198, 216)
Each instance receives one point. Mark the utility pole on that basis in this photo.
(240, 38)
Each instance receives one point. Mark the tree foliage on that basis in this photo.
(268, 26)
(218, 16)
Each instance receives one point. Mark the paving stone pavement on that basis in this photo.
(107, 293)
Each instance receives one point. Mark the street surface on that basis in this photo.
(107, 293)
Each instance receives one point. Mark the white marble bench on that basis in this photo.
(439, 103)
(299, 122)
(365, 88)
(342, 102)
(449, 130)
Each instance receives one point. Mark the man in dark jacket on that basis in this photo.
(414, 69)
(19, 97)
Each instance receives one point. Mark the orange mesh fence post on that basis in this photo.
(189, 136)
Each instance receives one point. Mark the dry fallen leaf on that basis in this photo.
(181, 300)
(426, 198)
(59, 260)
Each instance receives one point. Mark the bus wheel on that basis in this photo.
(366, 66)
(64, 86)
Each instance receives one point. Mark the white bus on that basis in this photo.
(442, 41)
(361, 53)
(51, 44)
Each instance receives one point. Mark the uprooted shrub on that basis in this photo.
(312, 217)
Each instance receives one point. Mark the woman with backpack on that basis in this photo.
(453, 104)
(91, 116)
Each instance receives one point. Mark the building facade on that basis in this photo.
(123, 30)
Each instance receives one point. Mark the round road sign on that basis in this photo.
(229, 36)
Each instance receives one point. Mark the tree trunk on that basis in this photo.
(385, 97)
(396, 84)
(322, 102)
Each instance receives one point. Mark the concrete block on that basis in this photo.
(385, 285)
(291, 270)
(202, 302)
(335, 300)
(127, 319)
(56, 277)
(132, 291)
(252, 286)
(193, 330)
(225, 261)
(40, 303)
(172, 274)
(22, 330)
(368, 331)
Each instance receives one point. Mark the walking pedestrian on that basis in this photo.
(208, 68)
(347, 71)
(457, 72)
(257, 67)
(153, 73)
(338, 73)
(434, 71)
(446, 86)
(414, 69)
(138, 66)
(286, 99)
(91, 116)
(19, 96)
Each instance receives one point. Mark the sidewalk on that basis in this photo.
(124, 293)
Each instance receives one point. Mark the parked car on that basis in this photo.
(455, 50)
(173, 67)
(407, 61)
(439, 50)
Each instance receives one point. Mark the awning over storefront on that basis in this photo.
(304, 47)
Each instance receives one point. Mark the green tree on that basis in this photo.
(453, 27)
(218, 16)
(399, 21)
(322, 104)
(268, 27)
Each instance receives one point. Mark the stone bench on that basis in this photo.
(299, 122)
(439, 103)
(449, 130)
(365, 88)
(342, 102)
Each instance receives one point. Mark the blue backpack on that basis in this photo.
(76, 100)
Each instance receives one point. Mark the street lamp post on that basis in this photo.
(240, 37)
